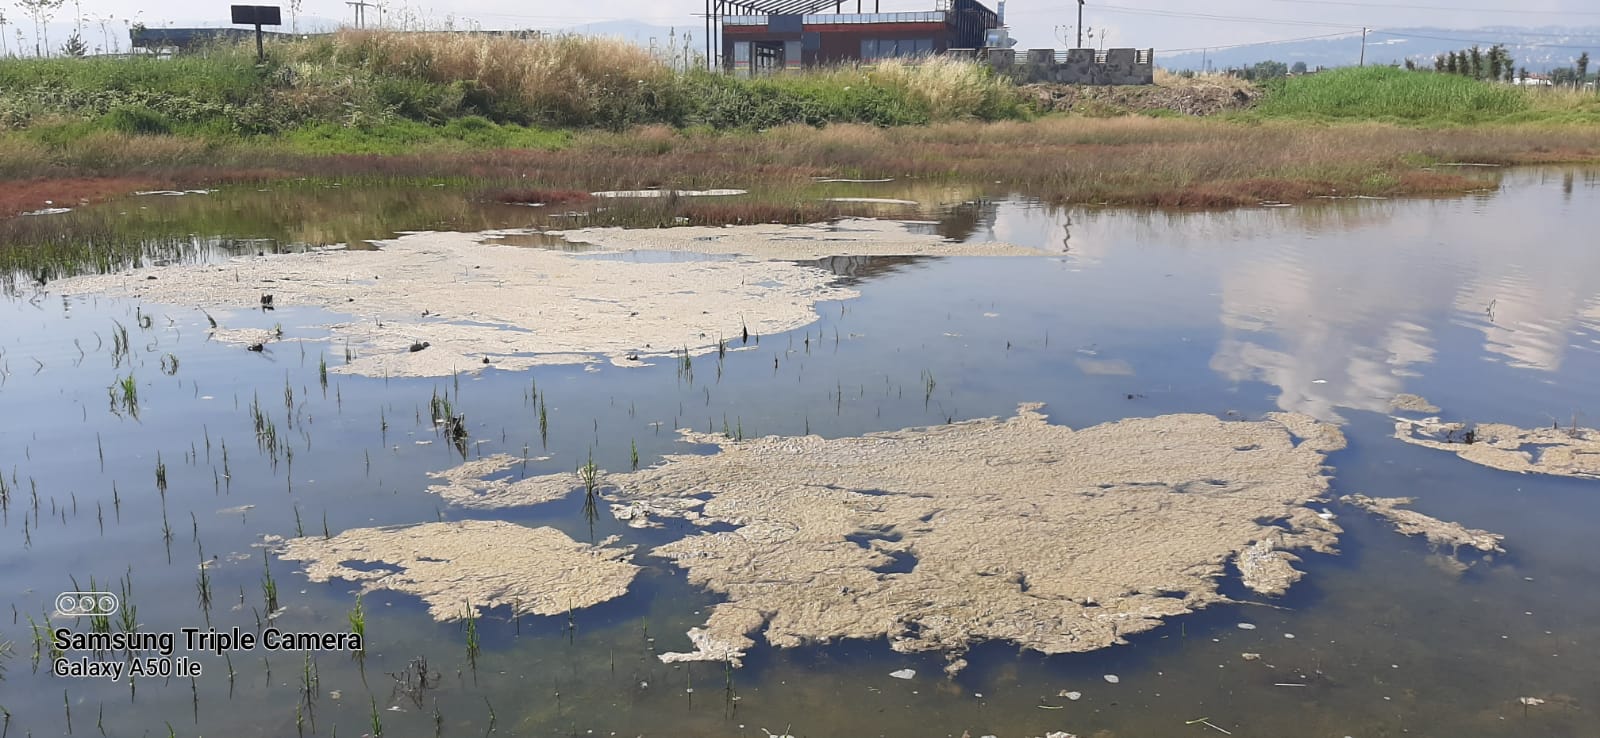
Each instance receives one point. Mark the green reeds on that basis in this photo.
(203, 584)
(125, 396)
(685, 366)
(358, 621)
(377, 723)
(269, 586)
(544, 424)
(472, 635)
(120, 345)
(590, 475)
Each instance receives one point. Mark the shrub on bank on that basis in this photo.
(1387, 93)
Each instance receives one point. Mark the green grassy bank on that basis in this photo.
(1421, 98)
(370, 91)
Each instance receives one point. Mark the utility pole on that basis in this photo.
(1080, 24)
(1363, 61)
(360, 7)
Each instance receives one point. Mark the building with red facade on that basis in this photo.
(764, 36)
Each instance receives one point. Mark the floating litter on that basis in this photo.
(903, 673)
(1247, 626)
(1113, 678)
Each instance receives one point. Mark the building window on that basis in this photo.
(873, 49)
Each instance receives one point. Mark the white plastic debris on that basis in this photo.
(1113, 678)
(1247, 626)
(903, 673)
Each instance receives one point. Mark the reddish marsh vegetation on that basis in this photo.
(1124, 161)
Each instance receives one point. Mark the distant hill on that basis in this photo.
(1538, 49)
(639, 33)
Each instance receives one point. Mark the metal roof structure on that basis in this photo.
(779, 7)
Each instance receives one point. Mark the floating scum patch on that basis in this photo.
(1568, 452)
(1438, 532)
(1059, 540)
(468, 300)
(486, 563)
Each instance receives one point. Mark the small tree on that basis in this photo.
(1438, 63)
(74, 46)
(1496, 54)
(1476, 68)
(1453, 65)
(1583, 67)
(42, 11)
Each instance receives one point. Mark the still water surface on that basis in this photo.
(1489, 306)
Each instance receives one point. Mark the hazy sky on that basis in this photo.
(1164, 24)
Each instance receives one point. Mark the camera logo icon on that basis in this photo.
(74, 604)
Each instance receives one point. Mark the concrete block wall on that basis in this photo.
(1078, 67)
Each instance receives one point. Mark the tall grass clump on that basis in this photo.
(890, 93)
(1386, 93)
(949, 88)
(559, 80)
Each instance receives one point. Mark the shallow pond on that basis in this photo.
(1487, 305)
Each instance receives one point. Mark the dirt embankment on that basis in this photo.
(1196, 99)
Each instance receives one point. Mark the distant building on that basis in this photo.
(765, 36)
(170, 40)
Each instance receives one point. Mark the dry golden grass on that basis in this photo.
(110, 151)
(22, 157)
(947, 85)
(1164, 78)
(564, 78)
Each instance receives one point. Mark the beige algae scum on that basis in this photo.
(478, 563)
(1567, 452)
(467, 301)
(1013, 529)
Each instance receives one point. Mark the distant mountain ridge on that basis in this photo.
(1538, 49)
